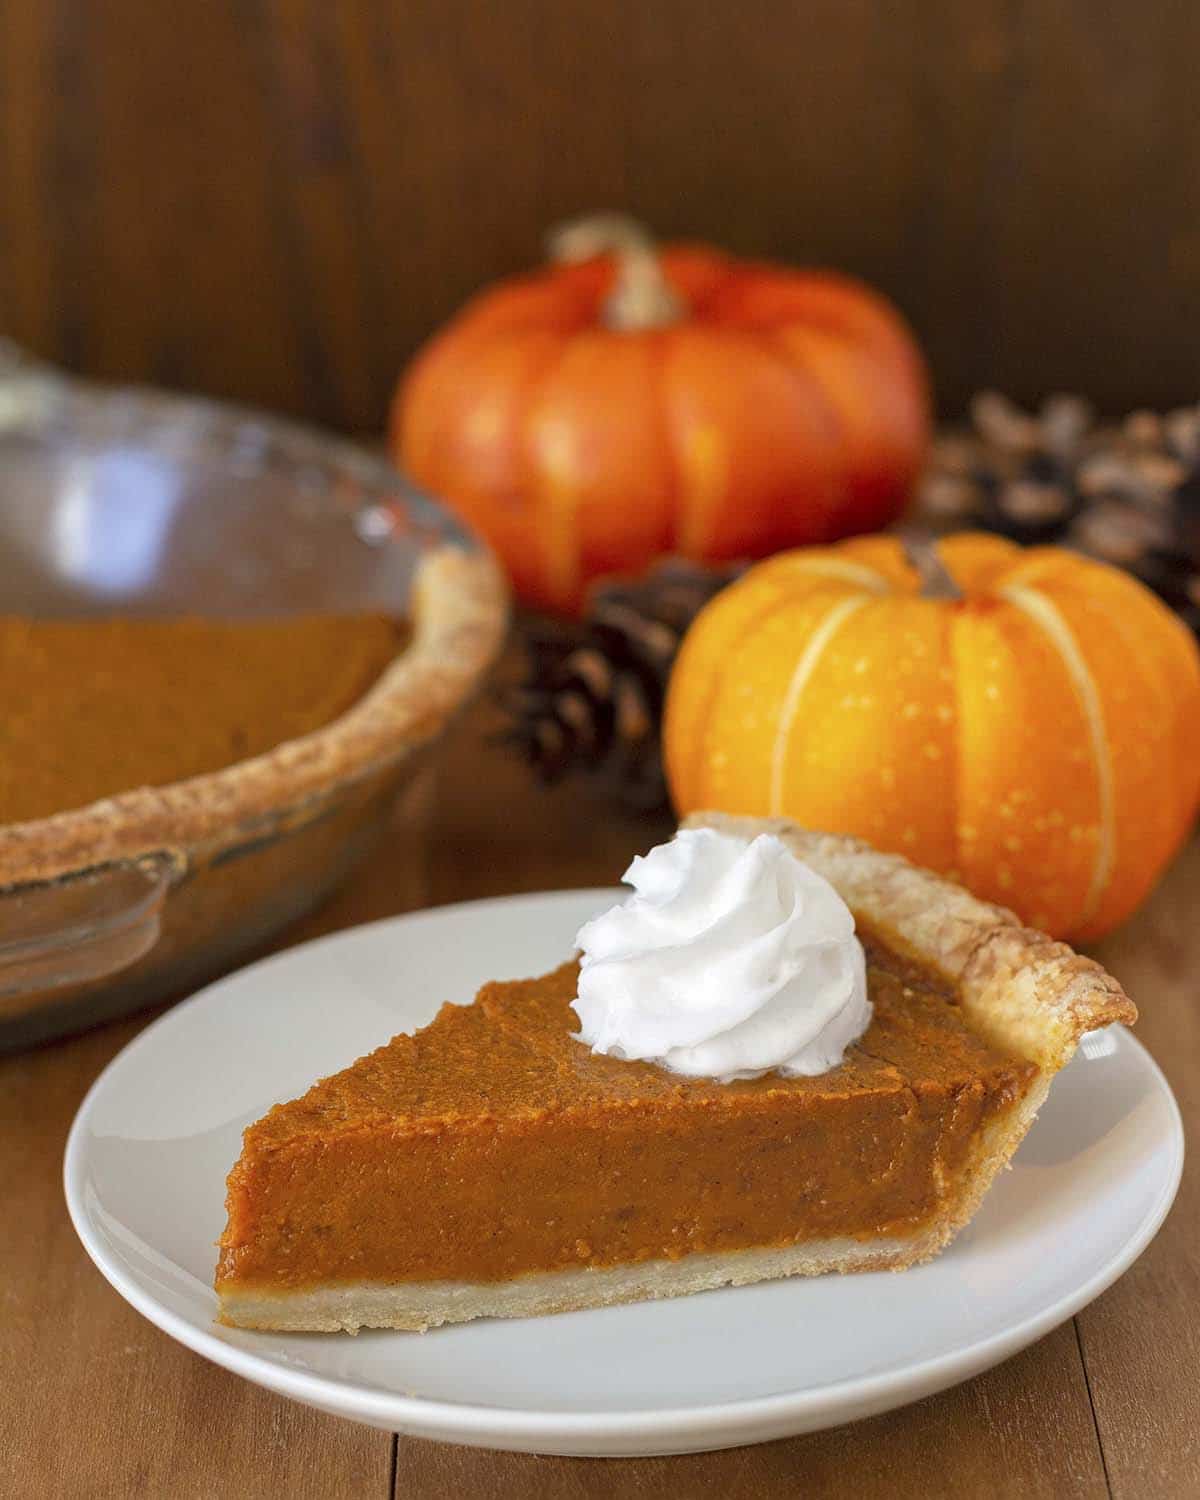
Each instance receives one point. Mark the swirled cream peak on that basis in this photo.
(729, 959)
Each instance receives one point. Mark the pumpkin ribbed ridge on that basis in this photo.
(1040, 609)
(811, 655)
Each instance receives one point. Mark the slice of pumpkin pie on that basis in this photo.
(807, 1092)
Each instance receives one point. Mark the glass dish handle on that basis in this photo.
(85, 925)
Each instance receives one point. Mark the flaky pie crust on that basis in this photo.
(1020, 990)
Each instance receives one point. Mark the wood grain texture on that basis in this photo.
(995, 1436)
(1142, 1339)
(96, 1401)
(277, 200)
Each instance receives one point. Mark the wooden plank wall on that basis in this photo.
(276, 200)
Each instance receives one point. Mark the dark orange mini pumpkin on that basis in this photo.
(616, 406)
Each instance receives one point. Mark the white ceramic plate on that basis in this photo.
(153, 1140)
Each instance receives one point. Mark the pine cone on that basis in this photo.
(592, 698)
(1128, 495)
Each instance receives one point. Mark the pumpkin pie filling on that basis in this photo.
(495, 1164)
(492, 1145)
(96, 707)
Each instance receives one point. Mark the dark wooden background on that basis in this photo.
(276, 200)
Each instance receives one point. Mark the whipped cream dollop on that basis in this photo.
(730, 959)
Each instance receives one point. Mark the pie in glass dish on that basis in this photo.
(231, 648)
(492, 1164)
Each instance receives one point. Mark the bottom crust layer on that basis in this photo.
(418, 1305)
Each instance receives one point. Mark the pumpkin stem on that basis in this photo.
(922, 553)
(641, 297)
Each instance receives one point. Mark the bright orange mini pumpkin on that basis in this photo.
(1037, 734)
(589, 417)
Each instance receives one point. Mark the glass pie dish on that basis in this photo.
(128, 501)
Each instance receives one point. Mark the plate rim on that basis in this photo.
(748, 1420)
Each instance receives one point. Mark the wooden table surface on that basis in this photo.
(96, 1402)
